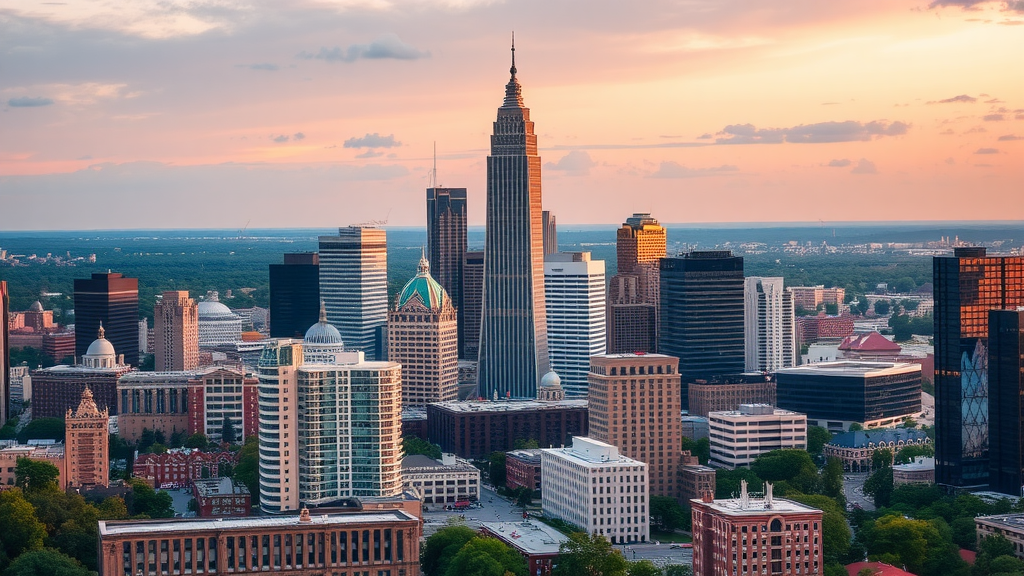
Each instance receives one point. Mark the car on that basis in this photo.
(675, 546)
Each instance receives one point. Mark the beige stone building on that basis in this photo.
(87, 450)
(423, 337)
(634, 406)
(176, 328)
(52, 453)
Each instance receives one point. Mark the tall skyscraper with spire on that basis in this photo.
(513, 332)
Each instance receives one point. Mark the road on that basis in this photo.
(660, 554)
(853, 487)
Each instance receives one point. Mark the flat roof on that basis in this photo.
(1014, 522)
(219, 487)
(128, 527)
(528, 537)
(581, 458)
(851, 369)
(755, 506)
(919, 465)
(634, 355)
(508, 405)
(163, 376)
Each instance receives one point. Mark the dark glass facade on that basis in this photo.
(701, 318)
(472, 303)
(1006, 401)
(112, 299)
(967, 286)
(294, 295)
(5, 358)
(446, 245)
(842, 397)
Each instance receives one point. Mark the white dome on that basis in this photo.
(322, 333)
(551, 380)
(100, 347)
(213, 310)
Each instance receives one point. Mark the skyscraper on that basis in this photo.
(634, 293)
(446, 244)
(5, 358)
(1006, 406)
(176, 323)
(422, 337)
(639, 240)
(574, 295)
(513, 332)
(294, 294)
(550, 232)
(769, 325)
(354, 285)
(701, 319)
(112, 299)
(472, 304)
(967, 285)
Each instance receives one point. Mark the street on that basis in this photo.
(853, 487)
(660, 554)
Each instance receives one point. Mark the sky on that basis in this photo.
(261, 113)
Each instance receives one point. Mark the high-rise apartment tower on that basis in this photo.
(354, 286)
(574, 294)
(769, 325)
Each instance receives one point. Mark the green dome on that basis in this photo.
(423, 288)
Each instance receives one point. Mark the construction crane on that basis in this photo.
(375, 223)
(241, 233)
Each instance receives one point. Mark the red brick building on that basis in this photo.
(221, 394)
(221, 497)
(821, 327)
(537, 543)
(522, 469)
(181, 466)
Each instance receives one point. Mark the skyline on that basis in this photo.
(789, 113)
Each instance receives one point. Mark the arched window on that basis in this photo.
(776, 525)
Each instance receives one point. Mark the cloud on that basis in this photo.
(947, 132)
(987, 151)
(864, 166)
(577, 161)
(387, 46)
(374, 140)
(29, 102)
(370, 154)
(994, 101)
(676, 170)
(961, 98)
(705, 136)
(262, 66)
(1010, 137)
(992, 118)
(965, 4)
(298, 136)
(821, 132)
(280, 139)
(839, 163)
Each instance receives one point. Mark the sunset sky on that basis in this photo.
(215, 113)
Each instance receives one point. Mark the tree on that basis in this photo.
(832, 309)
(643, 568)
(22, 530)
(881, 307)
(879, 486)
(817, 437)
(525, 444)
(795, 467)
(46, 563)
(667, 514)
(42, 429)
(178, 438)
(701, 448)
(149, 502)
(442, 547)
(113, 508)
(684, 570)
(486, 557)
(965, 533)
(198, 441)
(835, 532)
(227, 431)
(856, 427)
(1006, 564)
(589, 555)
(727, 482)
(832, 481)
(31, 475)
(881, 458)
(146, 439)
(415, 445)
(496, 469)
(908, 453)
(247, 470)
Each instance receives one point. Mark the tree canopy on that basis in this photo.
(589, 555)
(415, 445)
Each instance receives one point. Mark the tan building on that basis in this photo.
(86, 440)
(53, 453)
(156, 401)
(640, 240)
(695, 479)
(634, 406)
(423, 337)
(728, 392)
(738, 437)
(176, 328)
(38, 319)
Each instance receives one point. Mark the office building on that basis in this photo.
(176, 323)
(1006, 401)
(550, 232)
(756, 535)
(727, 392)
(423, 338)
(57, 389)
(87, 452)
(738, 437)
(634, 406)
(522, 469)
(640, 240)
(538, 544)
(855, 448)
(837, 394)
(381, 541)
(221, 498)
(446, 243)
(593, 486)
(769, 325)
(472, 304)
(5, 355)
(513, 330)
(112, 300)
(294, 294)
(446, 482)
(695, 479)
(632, 327)
(574, 295)
(354, 286)
(701, 314)
(219, 394)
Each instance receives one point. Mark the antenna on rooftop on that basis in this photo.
(433, 172)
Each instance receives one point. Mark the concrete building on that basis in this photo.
(634, 406)
(920, 471)
(38, 319)
(513, 331)
(738, 437)
(110, 300)
(218, 325)
(592, 486)
(87, 450)
(835, 395)
(695, 479)
(176, 324)
(634, 291)
(156, 401)
(222, 393)
(550, 235)
(221, 498)
(728, 392)
(441, 483)
(57, 389)
(294, 294)
(756, 535)
(384, 541)
(538, 543)
(769, 325)
(1009, 526)
(475, 429)
(574, 294)
(810, 297)
(855, 449)
(472, 304)
(447, 241)
(423, 336)
(354, 286)
(522, 469)
(640, 240)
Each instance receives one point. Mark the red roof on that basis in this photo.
(870, 342)
(880, 569)
(968, 556)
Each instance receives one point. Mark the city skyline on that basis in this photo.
(880, 101)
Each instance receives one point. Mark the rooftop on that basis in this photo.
(755, 506)
(588, 451)
(416, 462)
(218, 487)
(751, 410)
(142, 377)
(528, 537)
(527, 455)
(1014, 522)
(128, 527)
(850, 369)
(508, 405)
(870, 342)
(863, 438)
(918, 465)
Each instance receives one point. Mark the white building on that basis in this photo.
(446, 482)
(354, 286)
(592, 486)
(574, 293)
(769, 325)
(738, 436)
(218, 324)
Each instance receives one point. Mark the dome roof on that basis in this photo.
(214, 309)
(551, 380)
(100, 346)
(37, 306)
(424, 288)
(322, 332)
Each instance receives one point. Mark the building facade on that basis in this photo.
(472, 304)
(221, 498)
(447, 243)
(110, 300)
(695, 479)
(738, 437)
(855, 449)
(1006, 401)
(592, 486)
(50, 453)
(180, 467)
(220, 394)
(810, 297)
(574, 294)
(701, 318)
(294, 294)
(87, 450)
(769, 324)
(450, 481)
(640, 240)
(549, 225)
(156, 401)
(176, 327)
(513, 351)
(218, 325)
(57, 389)
(354, 286)
(5, 354)
(522, 469)
(538, 543)
(728, 392)
(423, 338)
(634, 406)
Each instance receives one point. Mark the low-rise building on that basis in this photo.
(854, 449)
(695, 479)
(1010, 526)
(221, 497)
(156, 401)
(694, 427)
(738, 437)
(920, 471)
(475, 429)
(537, 543)
(522, 469)
(446, 482)
(179, 467)
(592, 486)
(49, 452)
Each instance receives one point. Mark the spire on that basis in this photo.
(512, 70)
(424, 267)
(513, 91)
(323, 312)
(101, 332)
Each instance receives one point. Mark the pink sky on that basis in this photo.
(212, 113)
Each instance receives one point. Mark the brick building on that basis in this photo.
(52, 453)
(58, 389)
(221, 497)
(821, 327)
(87, 452)
(537, 543)
(728, 392)
(695, 479)
(59, 345)
(522, 469)
(179, 467)
(220, 394)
